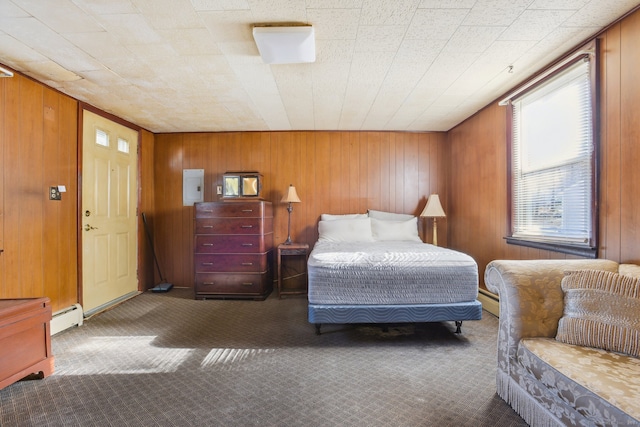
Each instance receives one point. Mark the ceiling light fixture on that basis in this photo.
(285, 44)
(5, 73)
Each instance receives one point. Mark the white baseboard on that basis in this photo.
(67, 318)
(490, 302)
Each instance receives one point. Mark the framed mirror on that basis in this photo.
(241, 185)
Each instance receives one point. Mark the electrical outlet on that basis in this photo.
(54, 193)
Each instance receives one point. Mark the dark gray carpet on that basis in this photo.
(169, 360)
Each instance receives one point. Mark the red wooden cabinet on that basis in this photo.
(25, 339)
(233, 249)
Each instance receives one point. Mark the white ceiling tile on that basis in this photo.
(99, 44)
(558, 4)
(30, 31)
(62, 16)
(208, 66)
(296, 89)
(129, 28)
(334, 4)
(447, 4)
(16, 51)
(419, 51)
(335, 24)
(397, 65)
(535, 24)
(10, 10)
(330, 83)
(379, 38)
(166, 14)
(399, 12)
(593, 14)
(229, 26)
(491, 12)
(473, 38)
(191, 41)
(397, 86)
(334, 51)
(106, 7)
(220, 5)
(435, 24)
(279, 10)
(49, 70)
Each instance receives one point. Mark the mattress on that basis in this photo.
(390, 272)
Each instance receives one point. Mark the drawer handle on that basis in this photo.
(247, 210)
(207, 210)
(247, 226)
(208, 283)
(247, 244)
(247, 283)
(207, 226)
(207, 263)
(247, 263)
(207, 244)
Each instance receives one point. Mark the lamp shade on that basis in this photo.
(285, 45)
(291, 196)
(433, 208)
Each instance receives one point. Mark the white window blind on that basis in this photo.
(552, 170)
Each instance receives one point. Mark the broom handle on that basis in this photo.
(146, 229)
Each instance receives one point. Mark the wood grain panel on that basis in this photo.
(39, 151)
(3, 103)
(630, 141)
(146, 266)
(478, 195)
(609, 230)
(333, 172)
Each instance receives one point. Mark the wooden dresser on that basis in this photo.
(25, 339)
(233, 249)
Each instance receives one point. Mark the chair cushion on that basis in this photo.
(593, 381)
(601, 310)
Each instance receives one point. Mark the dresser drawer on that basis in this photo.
(234, 210)
(234, 226)
(230, 244)
(240, 263)
(230, 284)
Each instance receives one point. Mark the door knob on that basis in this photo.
(88, 227)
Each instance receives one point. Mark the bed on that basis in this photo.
(374, 268)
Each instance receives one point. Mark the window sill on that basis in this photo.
(581, 251)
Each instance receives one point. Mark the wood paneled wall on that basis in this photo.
(333, 172)
(38, 236)
(478, 170)
(146, 203)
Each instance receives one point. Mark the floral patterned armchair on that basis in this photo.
(548, 382)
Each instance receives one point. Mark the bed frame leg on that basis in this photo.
(318, 328)
(458, 326)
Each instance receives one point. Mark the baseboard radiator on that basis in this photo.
(66, 318)
(490, 301)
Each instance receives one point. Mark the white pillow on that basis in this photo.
(331, 217)
(395, 230)
(389, 216)
(345, 230)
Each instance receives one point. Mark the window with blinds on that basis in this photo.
(552, 172)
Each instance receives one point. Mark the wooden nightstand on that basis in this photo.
(293, 249)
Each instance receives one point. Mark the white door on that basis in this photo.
(109, 223)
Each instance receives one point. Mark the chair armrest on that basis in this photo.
(531, 299)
